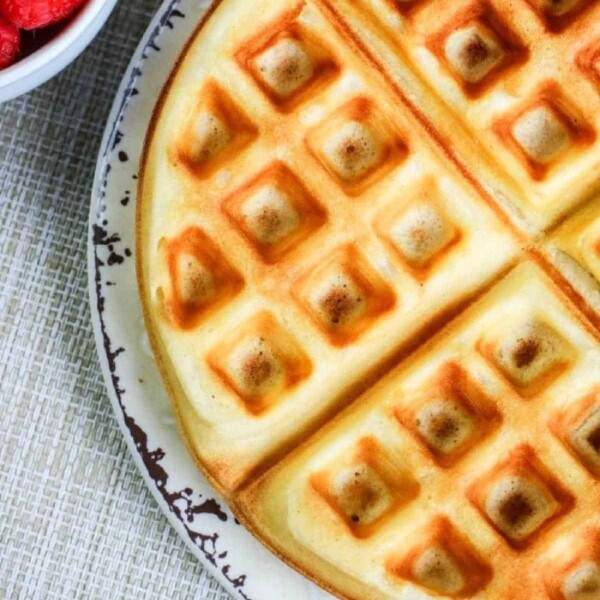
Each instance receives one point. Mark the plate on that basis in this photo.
(134, 386)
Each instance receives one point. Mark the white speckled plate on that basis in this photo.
(134, 386)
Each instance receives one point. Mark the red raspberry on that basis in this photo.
(10, 43)
(32, 14)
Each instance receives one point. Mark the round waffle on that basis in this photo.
(369, 260)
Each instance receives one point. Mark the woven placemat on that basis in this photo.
(76, 520)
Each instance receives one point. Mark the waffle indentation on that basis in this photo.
(287, 62)
(449, 415)
(260, 362)
(588, 60)
(556, 8)
(574, 574)
(215, 132)
(419, 231)
(356, 146)
(578, 427)
(201, 279)
(583, 582)
(519, 497)
(544, 129)
(344, 296)
(557, 14)
(365, 486)
(442, 561)
(541, 134)
(274, 212)
(476, 46)
(405, 7)
(529, 352)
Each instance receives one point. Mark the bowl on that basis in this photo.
(46, 62)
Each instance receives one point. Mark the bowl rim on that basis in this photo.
(39, 60)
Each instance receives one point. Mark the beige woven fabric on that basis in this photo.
(76, 520)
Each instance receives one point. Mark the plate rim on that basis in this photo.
(118, 107)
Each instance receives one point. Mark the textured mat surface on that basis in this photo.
(76, 520)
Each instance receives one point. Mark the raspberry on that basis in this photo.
(10, 42)
(32, 14)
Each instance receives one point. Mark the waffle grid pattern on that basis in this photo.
(526, 93)
(346, 506)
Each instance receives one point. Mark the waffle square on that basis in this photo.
(530, 355)
(573, 566)
(200, 278)
(519, 496)
(476, 45)
(274, 211)
(578, 427)
(260, 361)
(365, 487)
(288, 61)
(544, 129)
(355, 147)
(217, 130)
(450, 415)
(442, 561)
(419, 230)
(344, 296)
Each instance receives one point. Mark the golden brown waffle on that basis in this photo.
(369, 259)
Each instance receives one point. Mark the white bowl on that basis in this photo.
(54, 56)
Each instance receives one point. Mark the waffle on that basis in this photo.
(369, 261)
